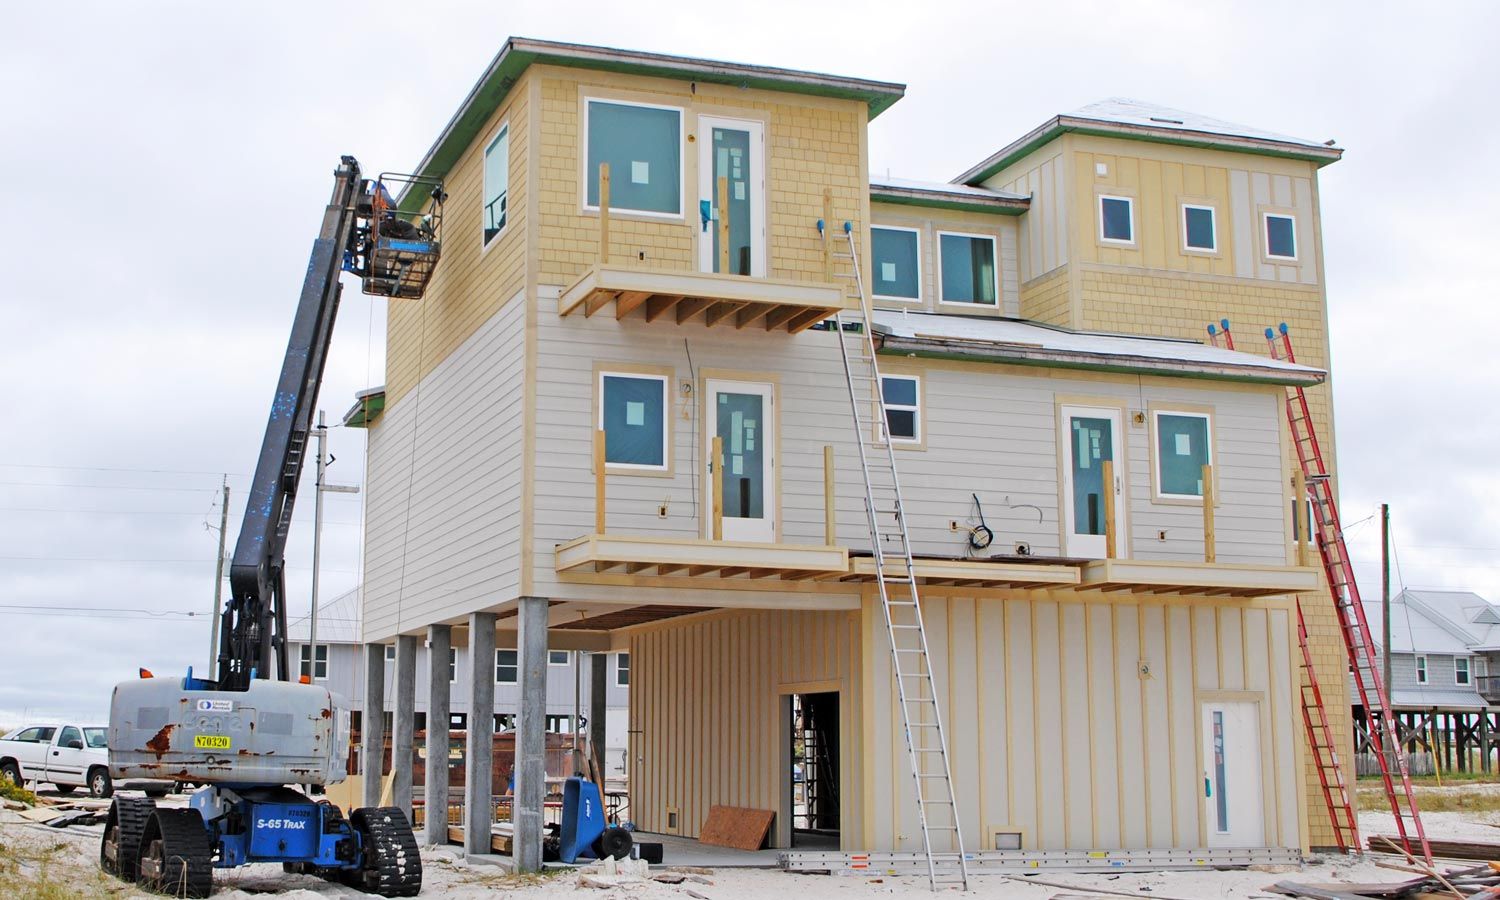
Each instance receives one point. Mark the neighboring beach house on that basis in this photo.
(1443, 647)
(1039, 322)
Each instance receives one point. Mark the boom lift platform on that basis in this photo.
(253, 736)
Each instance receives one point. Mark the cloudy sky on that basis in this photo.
(168, 164)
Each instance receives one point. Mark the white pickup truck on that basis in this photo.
(65, 756)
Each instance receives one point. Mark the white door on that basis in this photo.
(1232, 799)
(734, 150)
(741, 414)
(67, 757)
(1090, 436)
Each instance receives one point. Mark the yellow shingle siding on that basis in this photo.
(473, 281)
(1048, 298)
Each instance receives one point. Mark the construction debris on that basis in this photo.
(1475, 850)
(1480, 881)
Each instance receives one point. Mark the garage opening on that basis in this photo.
(815, 770)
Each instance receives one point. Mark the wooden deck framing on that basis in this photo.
(697, 558)
(1145, 576)
(679, 296)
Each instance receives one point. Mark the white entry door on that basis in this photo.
(741, 414)
(1091, 436)
(1232, 798)
(732, 149)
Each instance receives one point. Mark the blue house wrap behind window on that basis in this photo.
(634, 420)
(643, 146)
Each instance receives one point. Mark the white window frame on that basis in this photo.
(1265, 235)
(622, 664)
(583, 161)
(967, 304)
(1468, 671)
(1156, 457)
(1099, 208)
(1480, 667)
(503, 130)
(567, 658)
(312, 669)
(915, 409)
(515, 665)
(1421, 668)
(390, 654)
(921, 293)
(666, 420)
(1213, 219)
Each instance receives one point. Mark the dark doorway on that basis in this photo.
(815, 770)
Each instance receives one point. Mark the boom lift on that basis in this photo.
(253, 736)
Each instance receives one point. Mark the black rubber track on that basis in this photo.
(393, 867)
(186, 853)
(129, 815)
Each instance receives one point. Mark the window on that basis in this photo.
(505, 666)
(903, 414)
(643, 146)
(1116, 219)
(1281, 236)
(633, 414)
(559, 724)
(1460, 670)
(390, 654)
(896, 264)
(557, 657)
(452, 665)
(1183, 448)
(35, 735)
(1421, 670)
(317, 669)
(622, 669)
(496, 183)
(457, 721)
(1481, 667)
(968, 269)
(71, 735)
(96, 738)
(1198, 231)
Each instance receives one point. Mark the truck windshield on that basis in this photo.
(98, 738)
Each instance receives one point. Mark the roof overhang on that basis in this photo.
(1058, 126)
(518, 54)
(933, 198)
(368, 405)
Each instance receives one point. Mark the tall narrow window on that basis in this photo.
(967, 262)
(452, 665)
(1198, 228)
(622, 669)
(643, 146)
(496, 183)
(1421, 670)
(903, 413)
(1116, 219)
(895, 263)
(506, 667)
(1183, 447)
(633, 414)
(1281, 236)
(1460, 670)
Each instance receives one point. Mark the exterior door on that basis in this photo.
(741, 414)
(1091, 436)
(734, 150)
(65, 762)
(1232, 799)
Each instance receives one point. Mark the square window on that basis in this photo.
(506, 666)
(902, 394)
(643, 146)
(1460, 670)
(558, 657)
(632, 412)
(622, 669)
(496, 182)
(1116, 219)
(1421, 670)
(1281, 236)
(1198, 228)
(390, 653)
(1183, 448)
(319, 669)
(896, 263)
(968, 269)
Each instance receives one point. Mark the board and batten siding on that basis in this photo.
(705, 709)
(1044, 227)
(1055, 733)
(443, 507)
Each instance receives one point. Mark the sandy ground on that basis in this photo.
(35, 859)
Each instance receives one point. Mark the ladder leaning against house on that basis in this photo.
(895, 579)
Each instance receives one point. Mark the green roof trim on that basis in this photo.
(518, 54)
(368, 405)
(1114, 368)
(1008, 208)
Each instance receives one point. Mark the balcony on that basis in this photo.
(1488, 687)
(666, 557)
(681, 297)
(1148, 576)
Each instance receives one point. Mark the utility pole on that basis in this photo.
(1385, 592)
(213, 630)
(321, 433)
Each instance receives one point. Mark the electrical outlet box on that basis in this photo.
(1023, 548)
(661, 511)
(1161, 535)
(1143, 667)
(953, 525)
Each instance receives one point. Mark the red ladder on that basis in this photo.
(1363, 664)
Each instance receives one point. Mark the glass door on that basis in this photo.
(740, 413)
(733, 150)
(1090, 437)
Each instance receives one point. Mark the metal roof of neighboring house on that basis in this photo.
(1446, 622)
(518, 53)
(1138, 120)
(947, 196)
(1437, 698)
(338, 621)
(1022, 342)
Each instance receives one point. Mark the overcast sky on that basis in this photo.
(168, 164)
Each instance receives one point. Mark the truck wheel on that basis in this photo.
(177, 857)
(119, 853)
(100, 784)
(12, 773)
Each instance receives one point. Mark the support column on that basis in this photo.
(439, 704)
(372, 724)
(479, 754)
(404, 722)
(598, 706)
(531, 734)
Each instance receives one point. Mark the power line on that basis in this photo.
(112, 487)
(103, 559)
(6, 465)
(105, 609)
(136, 512)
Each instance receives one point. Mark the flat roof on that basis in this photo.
(518, 53)
(1139, 120)
(1022, 342)
(933, 194)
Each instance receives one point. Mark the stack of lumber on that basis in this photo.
(1479, 881)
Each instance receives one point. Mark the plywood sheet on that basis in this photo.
(737, 827)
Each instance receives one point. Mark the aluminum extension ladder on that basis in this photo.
(1364, 665)
(922, 721)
